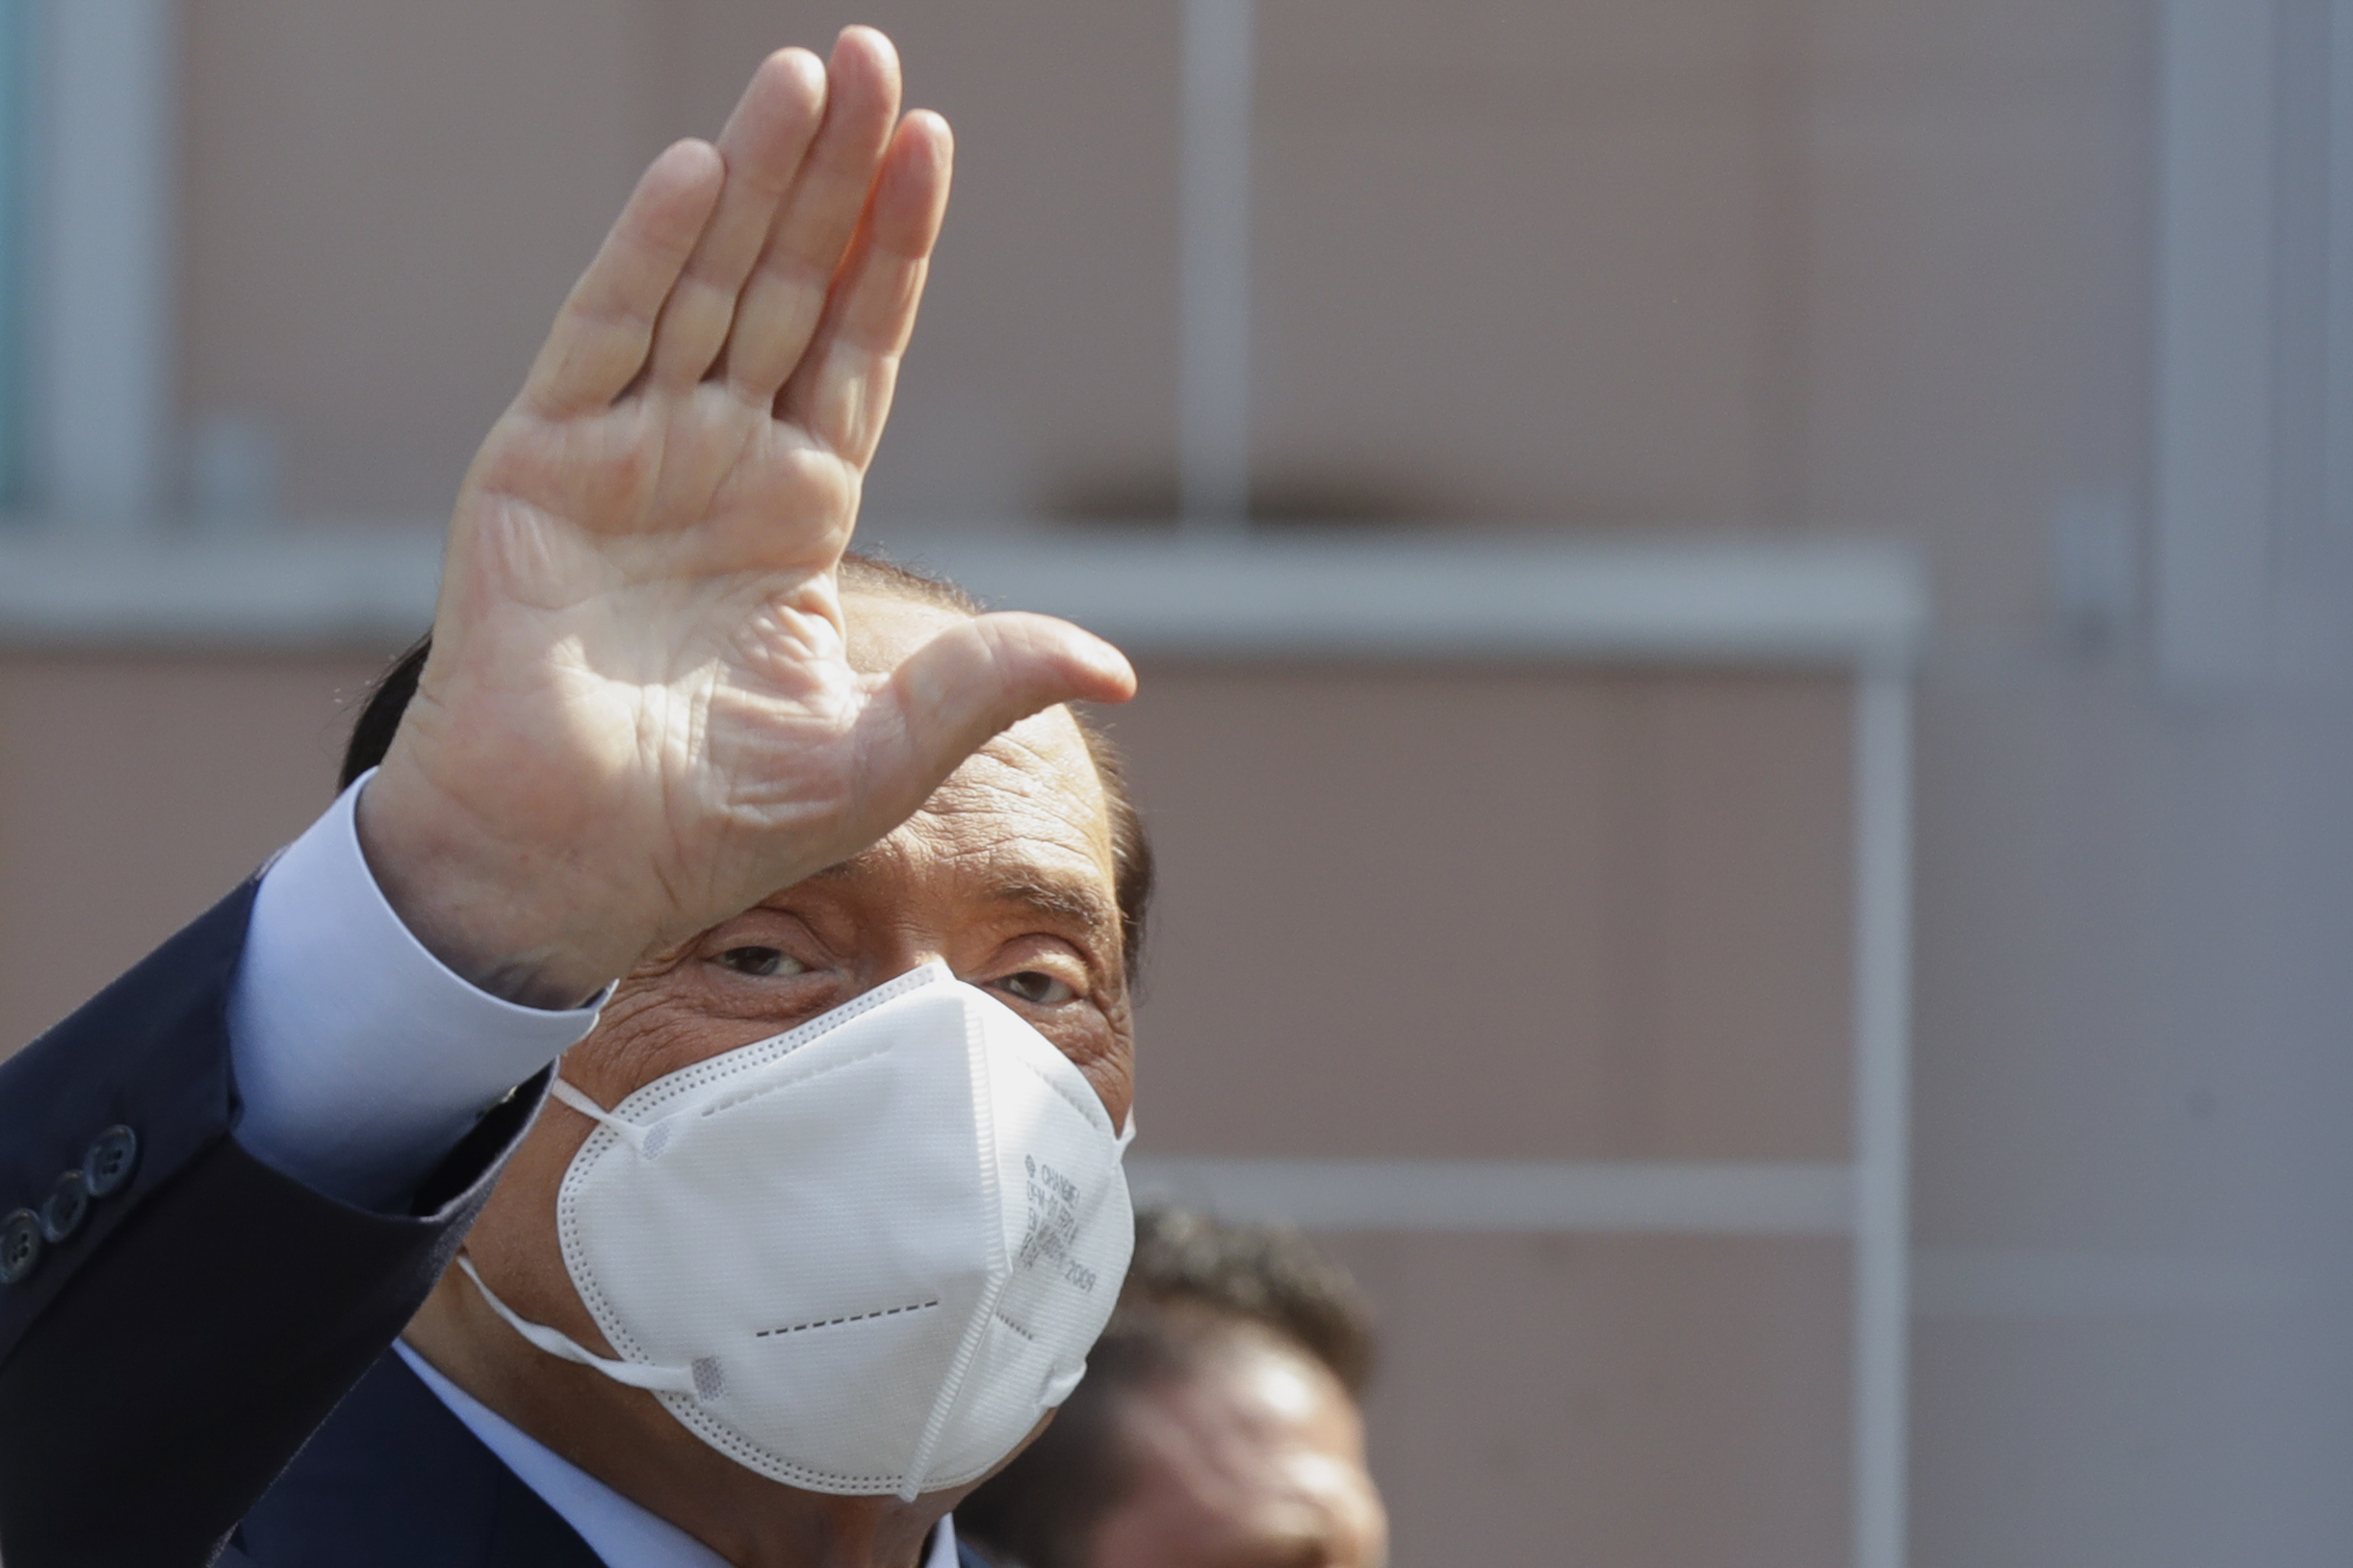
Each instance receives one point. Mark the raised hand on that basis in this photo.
(638, 718)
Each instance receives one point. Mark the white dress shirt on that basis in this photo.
(360, 1058)
(360, 1061)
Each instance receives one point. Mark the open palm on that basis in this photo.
(638, 717)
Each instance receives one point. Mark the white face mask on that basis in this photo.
(863, 1258)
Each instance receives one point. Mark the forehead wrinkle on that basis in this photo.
(1029, 780)
(1007, 793)
(1072, 896)
(1025, 817)
(1062, 882)
(1046, 749)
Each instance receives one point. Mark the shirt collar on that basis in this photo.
(619, 1531)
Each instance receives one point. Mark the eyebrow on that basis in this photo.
(1074, 902)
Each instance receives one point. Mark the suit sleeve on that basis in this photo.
(359, 1057)
(178, 1316)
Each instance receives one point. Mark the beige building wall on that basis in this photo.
(138, 788)
(1496, 914)
(1533, 916)
(1652, 265)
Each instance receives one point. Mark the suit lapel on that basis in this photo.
(394, 1481)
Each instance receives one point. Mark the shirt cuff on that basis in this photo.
(361, 1059)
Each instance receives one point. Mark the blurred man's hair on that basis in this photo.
(874, 578)
(1189, 1266)
(1195, 1282)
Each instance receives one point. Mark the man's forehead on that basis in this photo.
(1030, 802)
(1068, 888)
(1043, 758)
(986, 858)
(1044, 750)
(1030, 797)
(880, 630)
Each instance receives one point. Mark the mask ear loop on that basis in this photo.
(647, 1143)
(556, 1343)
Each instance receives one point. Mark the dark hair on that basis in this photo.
(1194, 1281)
(1131, 851)
(1267, 1274)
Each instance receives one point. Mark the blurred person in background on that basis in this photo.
(798, 863)
(1219, 1426)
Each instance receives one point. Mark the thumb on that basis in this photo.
(975, 679)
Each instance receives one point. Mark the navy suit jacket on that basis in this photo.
(395, 1480)
(170, 1345)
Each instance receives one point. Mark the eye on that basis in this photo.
(1037, 987)
(762, 962)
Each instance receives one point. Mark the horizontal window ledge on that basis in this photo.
(361, 588)
(1604, 1196)
(1413, 597)
(1339, 595)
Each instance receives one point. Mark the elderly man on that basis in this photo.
(827, 1208)
(1219, 1426)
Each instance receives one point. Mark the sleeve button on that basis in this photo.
(19, 1246)
(108, 1166)
(61, 1212)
